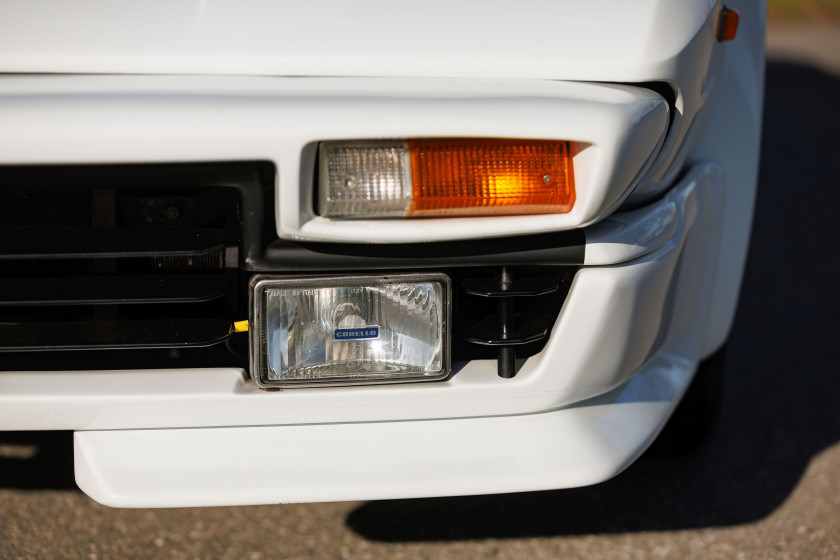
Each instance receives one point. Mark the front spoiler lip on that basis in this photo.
(583, 444)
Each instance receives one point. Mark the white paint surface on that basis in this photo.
(576, 446)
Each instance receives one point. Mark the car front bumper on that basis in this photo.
(622, 352)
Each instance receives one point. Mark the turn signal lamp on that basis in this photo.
(349, 329)
(445, 177)
(727, 26)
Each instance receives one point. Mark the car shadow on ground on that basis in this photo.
(782, 385)
(780, 393)
(36, 460)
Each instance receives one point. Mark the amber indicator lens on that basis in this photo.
(727, 26)
(444, 177)
(456, 177)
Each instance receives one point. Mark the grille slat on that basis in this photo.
(63, 242)
(113, 290)
(507, 312)
(524, 330)
(89, 334)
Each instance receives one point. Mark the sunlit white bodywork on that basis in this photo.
(665, 200)
(110, 119)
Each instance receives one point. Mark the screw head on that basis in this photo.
(348, 182)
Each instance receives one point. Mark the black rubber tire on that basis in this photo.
(696, 417)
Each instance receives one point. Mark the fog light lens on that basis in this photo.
(360, 329)
(445, 177)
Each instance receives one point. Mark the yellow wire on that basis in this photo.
(240, 326)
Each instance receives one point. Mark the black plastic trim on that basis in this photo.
(562, 248)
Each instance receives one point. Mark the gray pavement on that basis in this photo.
(766, 485)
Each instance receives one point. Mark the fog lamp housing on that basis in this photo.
(345, 330)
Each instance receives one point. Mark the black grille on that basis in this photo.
(506, 312)
(121, 256)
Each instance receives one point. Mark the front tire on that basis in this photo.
(696, 417)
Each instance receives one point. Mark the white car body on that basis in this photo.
(665, 196)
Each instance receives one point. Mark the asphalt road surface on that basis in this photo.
(766, 485)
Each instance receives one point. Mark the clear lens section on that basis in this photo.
(364, 179)
(361, 329)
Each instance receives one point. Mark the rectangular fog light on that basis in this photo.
(349, 329)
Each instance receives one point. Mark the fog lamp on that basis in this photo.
(349, 329)
(445, 177)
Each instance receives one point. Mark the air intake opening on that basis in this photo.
(122, 256)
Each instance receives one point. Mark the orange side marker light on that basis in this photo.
(727, 25)
(460, 177)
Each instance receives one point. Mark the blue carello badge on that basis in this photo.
(360, 333)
